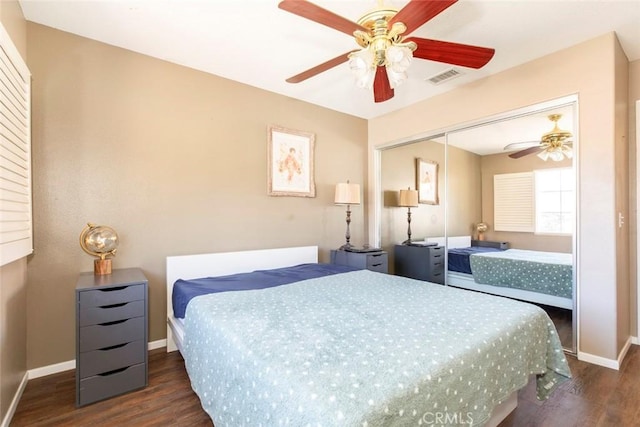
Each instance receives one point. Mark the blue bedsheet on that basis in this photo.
(185, 290)
(459, 257)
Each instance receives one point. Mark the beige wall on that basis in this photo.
(588, 70)
(175, 160)
(502, 163)
(13, 277)
(634, 95)
(464, 191)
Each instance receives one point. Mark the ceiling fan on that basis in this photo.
(554, 145)
(386, 53)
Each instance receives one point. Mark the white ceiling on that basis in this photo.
(256, 43)
(493, 137)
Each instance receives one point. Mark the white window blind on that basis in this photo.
(513, 202)
(16, 229)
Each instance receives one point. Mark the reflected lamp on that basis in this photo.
(408, 199)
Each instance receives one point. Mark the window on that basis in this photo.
(16, 240)
(555, 200)
(541, 201)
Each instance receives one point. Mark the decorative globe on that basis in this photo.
(481, 227)
(99, 240)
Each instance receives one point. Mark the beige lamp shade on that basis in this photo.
(347, 194)
(408, 198)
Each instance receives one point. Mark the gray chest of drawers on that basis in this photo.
(374, 261)
(419, 262)
(111, 334)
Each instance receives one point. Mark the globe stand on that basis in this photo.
(101, 267)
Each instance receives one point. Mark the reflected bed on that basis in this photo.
(533, 276)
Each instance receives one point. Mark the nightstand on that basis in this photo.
(374, 261)
(490, 244)
(420, 262)
(111, 334)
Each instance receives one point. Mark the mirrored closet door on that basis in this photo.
(496, 209)
(511, 213)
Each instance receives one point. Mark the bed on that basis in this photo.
(533, 276)
(355, 348)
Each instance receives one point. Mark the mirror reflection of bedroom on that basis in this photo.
(505, 218)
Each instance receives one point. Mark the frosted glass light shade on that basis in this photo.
(362, 67)
(408, 198)
(556, 154)
(347, 194)
(398, 58)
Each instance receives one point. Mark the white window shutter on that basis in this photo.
(513, 202)
(16, 228)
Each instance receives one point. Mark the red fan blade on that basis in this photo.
(381, 88)
(452, 53)
(525, 152)
(321, 16)
(417, 12)
(319, 68)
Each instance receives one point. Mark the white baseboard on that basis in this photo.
(607, 363)
(624, 351)
(51, 369)
(157, 344)
(14, 403)
(635, 340)
(71, 364)
(597, 360)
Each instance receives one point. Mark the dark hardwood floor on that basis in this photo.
(596, 396)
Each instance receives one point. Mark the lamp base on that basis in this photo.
(407, 242)
(101, 267)
(345, 247)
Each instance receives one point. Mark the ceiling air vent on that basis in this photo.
(447, 75)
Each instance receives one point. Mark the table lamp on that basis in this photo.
(347, 194)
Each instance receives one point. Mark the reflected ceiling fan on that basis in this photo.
(554, 145)
(386, 53)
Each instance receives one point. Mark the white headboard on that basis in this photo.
(452, 242)
(222, 264)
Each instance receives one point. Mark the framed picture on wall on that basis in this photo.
(427, 181)
(290, 162)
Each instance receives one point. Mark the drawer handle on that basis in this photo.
(437, 274)
(376, 265)
(437, 256)
(118, 288)
(114, 305)
(113, 347)
(115, 371)
(115, 322)
(376, 255)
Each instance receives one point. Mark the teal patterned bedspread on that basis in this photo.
(544, 272)
(364, 349)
